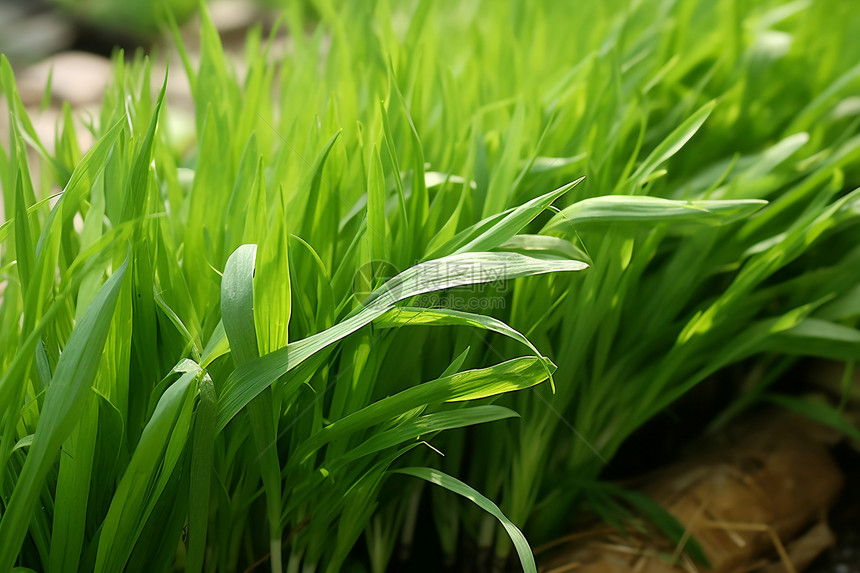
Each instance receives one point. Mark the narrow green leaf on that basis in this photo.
(449, 272)
(649, 210)
(817, 411)
(424, 425)
(496, 229)
(419, 316)
(673, 143)
(65, 401)
(138, 490)
(510, 376)
(527, 559)
(201, 475)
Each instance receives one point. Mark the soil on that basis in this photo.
(753, 496)
(844, 518)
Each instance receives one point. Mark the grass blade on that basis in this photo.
(65, 402)
(436, 477)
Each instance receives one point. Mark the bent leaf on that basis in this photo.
(527, 559)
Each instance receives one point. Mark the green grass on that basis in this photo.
(214, 345)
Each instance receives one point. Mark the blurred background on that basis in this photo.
(61, 50)
(33, 29)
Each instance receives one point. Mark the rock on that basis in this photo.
(743, 500)
(26, 34)
(230, 16)
(79, 78)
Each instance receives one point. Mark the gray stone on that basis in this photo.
(79, 78)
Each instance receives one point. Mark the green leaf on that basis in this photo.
(545, 245)
(424, 425)
(145, 477)
(648, 210)
(516, 374)
(237, 312)
(65, 403)
(664, 521)
(673, 143)
(449, 272)
(201, 475)
(496, 229)
(72, 493)
(237, 302)
(817, 411)
(816, 337)
(452, 484)
(419, 316)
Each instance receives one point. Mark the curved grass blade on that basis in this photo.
(419, 316)
(650, 210)
(545, 245)
(434, 476)
(449, 272)
(427, 424)
(237, 314)
(673, 143)
(494, 230)
(144, 479)
(516, 374)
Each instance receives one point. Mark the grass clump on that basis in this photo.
(213, 352)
